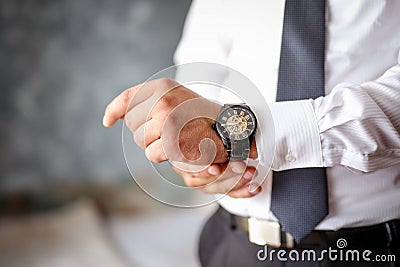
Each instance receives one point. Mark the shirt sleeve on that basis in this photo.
(356, 125)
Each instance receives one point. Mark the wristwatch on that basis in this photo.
(236, 125)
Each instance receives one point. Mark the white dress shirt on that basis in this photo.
(354, 130)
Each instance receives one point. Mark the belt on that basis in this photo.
(265, 232)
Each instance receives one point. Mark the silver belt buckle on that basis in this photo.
(264, 232)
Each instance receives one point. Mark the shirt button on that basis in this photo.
(290, 158)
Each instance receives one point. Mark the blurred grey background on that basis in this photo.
(61, 61)
(66, 196)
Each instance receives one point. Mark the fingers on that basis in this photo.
(155, 152)
(223, 186)
(118, 106)
(214, 170)
(241, 190)
(244, 192)
(198, 179)
(132, 97)
(147, 133)
(137, 116)
(229, 181)
(217, 179)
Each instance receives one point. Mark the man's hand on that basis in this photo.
(161, 102)
(217, 179)
(146, 111)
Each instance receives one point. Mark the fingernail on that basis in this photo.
(237, 169)
(254, 188)
(248, 175)
(105, 122)
(213, 171)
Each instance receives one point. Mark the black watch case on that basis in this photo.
(236, 125)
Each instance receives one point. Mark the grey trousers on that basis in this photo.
(222, 244)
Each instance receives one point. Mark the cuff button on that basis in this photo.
(290, 158)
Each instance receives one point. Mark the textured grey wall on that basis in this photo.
(60, 63)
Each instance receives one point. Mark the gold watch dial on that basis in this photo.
(236, 122)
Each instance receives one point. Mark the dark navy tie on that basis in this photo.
(299, 196)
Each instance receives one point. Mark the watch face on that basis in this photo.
(236, 122)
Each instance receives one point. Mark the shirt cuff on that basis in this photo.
(297, 137)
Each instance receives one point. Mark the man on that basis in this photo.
(352, 128)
